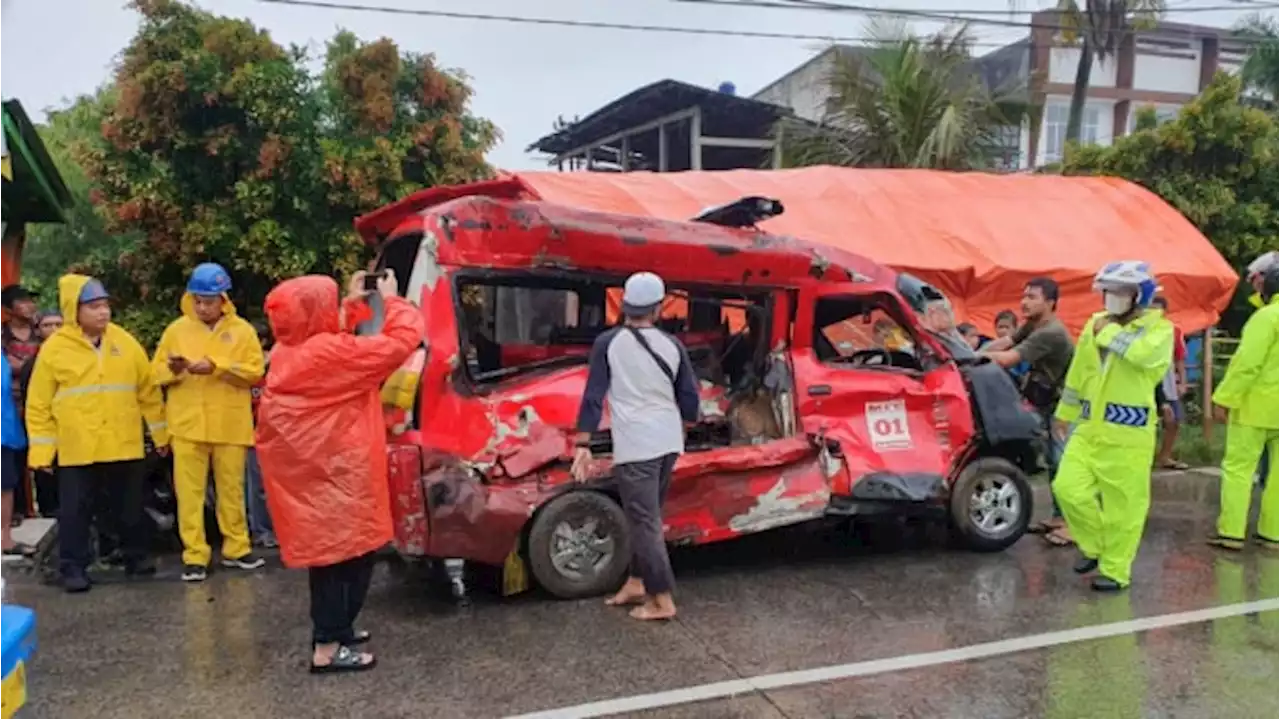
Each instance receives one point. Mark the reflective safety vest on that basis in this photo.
(1111, 385)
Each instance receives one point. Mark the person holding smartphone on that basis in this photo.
(321, 441)
(209, 358)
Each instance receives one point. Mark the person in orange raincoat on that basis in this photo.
(321, 443)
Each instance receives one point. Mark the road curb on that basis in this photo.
(1198, 485)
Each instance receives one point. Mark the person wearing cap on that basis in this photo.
(21, 342)
(209, 358)
(91, 389)
(652, 391)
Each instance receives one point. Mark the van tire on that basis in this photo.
(604, 548)
(977, 493)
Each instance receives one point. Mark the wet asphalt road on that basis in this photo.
(236, 646)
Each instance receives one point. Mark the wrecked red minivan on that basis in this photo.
(822, 393)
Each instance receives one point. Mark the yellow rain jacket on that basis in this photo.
(86, 404)
(214, 408)
(1251, 387)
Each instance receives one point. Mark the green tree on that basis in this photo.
(82, 243)
(1261, 70)
(217, 144)
(1216, 163)
(907, 101)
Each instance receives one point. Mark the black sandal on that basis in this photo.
(344, 660)
(360, 637)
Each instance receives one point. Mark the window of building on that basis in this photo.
(1163, 115)
(1055, 128)
(1006, 151)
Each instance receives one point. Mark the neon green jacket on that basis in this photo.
(1111, 385)
(1251, 387)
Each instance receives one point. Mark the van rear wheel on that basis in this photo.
(579, 545)
(991, 504)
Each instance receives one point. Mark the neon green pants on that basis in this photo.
(1244, 449)
(1104, 490)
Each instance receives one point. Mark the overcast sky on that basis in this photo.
(524, 75)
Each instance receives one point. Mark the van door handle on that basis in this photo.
(819, 390)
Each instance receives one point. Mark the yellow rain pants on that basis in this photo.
(191, 466)
(1103, 484)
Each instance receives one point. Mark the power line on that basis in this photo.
(965, 16)
(1179, 7)
(633, 27)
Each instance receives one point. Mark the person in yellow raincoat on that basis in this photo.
(1103, 484)
(90, 389)
(209, 359)
(1248, 400)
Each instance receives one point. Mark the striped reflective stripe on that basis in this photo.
(1085, 408)
(41, 440)
(1120, 343)
(1127, 415)
(153, 426)
(94, 389)
(1070, 396)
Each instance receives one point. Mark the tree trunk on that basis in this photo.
(1075, 117)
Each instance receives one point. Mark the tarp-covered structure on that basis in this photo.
(977, 237)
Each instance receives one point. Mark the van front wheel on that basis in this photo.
(579, 545)
(991, 504)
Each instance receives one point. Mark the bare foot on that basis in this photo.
(631, 593)
(650, 612)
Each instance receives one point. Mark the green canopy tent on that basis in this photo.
(33, 191)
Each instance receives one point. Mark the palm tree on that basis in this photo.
(1260, 73)
(906, 101)
(1099, 26)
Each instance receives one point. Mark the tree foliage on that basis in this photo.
(214, 143)
(1216, 163)
(907, 101)
(1261, 70)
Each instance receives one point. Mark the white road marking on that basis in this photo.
(767, 682)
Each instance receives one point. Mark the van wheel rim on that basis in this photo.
(581, 550)
(995, 505)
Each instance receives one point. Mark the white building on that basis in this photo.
(1165, 68)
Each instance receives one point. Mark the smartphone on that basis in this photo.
(371, 281)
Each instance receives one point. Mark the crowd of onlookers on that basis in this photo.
(31, 490)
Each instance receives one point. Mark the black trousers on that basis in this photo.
(337, 596)
(643, 488)
(123, 484)
(46, 493)
(20, 488)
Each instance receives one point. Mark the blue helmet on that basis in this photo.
(209, 279)
(92, 291)
(1130, 275)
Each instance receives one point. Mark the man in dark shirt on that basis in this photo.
(1044, 345)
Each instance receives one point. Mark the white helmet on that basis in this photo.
(1128, 275)
(1263, 264)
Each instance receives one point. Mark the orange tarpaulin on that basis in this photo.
(977, 237)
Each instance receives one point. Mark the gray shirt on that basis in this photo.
(648, 404)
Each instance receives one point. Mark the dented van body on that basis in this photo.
(822, 394)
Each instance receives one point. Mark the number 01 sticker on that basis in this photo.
(887, 425)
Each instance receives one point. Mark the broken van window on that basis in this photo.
(512, 325)
(859, 331)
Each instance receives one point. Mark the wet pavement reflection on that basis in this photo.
(788, 600)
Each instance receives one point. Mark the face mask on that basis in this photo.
(1116, 304)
